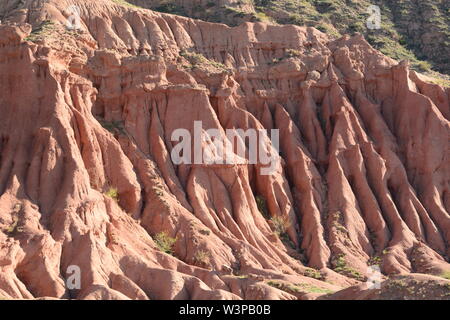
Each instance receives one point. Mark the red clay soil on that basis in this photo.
(363, 176)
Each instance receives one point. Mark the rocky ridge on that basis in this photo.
(86, 177)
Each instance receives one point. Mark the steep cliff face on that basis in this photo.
(87, 178)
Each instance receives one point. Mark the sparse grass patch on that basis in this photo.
(205, 232)
(339, 17)
(314, 289)
(44, 29)
(397, 283)
(445, 275)
(284, 286)
(337, 218)
(164, 242)
(170, 7)
(312, 273)
(262, 17)
(395, 50)
(328, 29)
(262, 206)
(126, 4)
(202, 258)
(439, 79)
(340, 266)
(114, 239)
(297, 288)
(442, 82)
(14, 227)
(236, 12)
(280, 225)
(197, 60)
(375, 260)
(421, 66)
(293, 53)
(112, 193)
(275, 61)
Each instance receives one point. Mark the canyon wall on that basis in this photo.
(87, 178)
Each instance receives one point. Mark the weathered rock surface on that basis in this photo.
(363, 176)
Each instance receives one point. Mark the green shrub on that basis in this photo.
(422, 66)
(171, 8)
(340, 266)
(284, 286)
(205, 232)
(445, 275)
(112, 193)
(14, 227)
(297, 288)
(202, 258)
(312, 273)
(280, 225)
(262, 206)
(442, 82)
(237, 13)
(376, 260)
(198, 60)
(293, 53)
(313, 289)
(43, 30)
(262, 17)
(164, 242)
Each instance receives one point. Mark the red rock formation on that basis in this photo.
(363, 176)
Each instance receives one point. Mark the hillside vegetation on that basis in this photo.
(410, 29)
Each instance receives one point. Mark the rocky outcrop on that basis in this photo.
(87, 179)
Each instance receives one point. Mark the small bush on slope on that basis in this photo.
(164, 242)
(112, 193)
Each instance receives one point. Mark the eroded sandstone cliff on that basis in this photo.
(87, 179)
